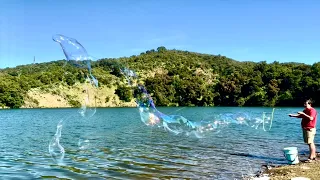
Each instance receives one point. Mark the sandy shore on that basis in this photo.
(307, 170)
(302, 171)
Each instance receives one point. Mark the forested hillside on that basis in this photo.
(174, 78)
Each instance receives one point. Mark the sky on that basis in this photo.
(244, 30)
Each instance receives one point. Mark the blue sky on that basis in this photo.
(245, 30)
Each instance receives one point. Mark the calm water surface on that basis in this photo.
(119, 146)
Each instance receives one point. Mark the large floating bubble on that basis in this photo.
(77, 56)
(75, 53)
(178, 124)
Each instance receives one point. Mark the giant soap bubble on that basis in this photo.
(78, 57)
(178, 124)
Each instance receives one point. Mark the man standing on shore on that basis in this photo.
(308, 124)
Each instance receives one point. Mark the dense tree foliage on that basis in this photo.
(177, 78)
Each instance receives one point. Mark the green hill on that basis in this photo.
(173, 77)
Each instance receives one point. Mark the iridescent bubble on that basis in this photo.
(84, 144)
(178, 124)
(130, 75)
(77, 55)
(88, 106)
(55, 149)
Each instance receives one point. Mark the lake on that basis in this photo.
(115, 144)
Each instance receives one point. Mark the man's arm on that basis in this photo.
(295, 115)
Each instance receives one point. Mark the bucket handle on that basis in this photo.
(284, 154)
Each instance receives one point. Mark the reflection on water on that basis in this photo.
(115, 144)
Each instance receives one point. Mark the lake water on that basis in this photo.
(120, 146)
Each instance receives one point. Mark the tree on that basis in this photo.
(124, 93)
(161, 49)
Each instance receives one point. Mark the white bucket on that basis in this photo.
(291, 154)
